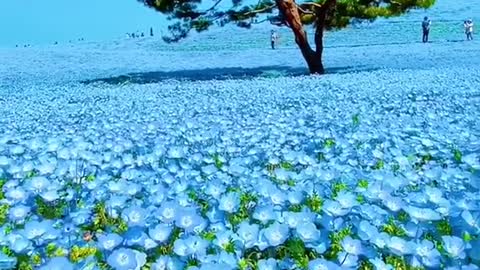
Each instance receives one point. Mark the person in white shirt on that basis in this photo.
(273, 39)
(469, 29)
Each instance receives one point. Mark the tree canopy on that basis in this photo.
(188, 15)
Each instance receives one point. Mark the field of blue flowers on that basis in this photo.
(133, 155)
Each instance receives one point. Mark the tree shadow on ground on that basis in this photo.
(218, 74)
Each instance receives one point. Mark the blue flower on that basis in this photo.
(422, 214)
(109, 241)
(269, 264)
(197, 245)
(18, 213)
(321, 264)
(380, 264)
(348, 260)
(429, 255)
(161, 263)
(400, 246)
(346, 199)
(134, 216)
(215, 189)
(16, 195)
(308, 232)
(50, 195)
(180, 248)
(366, 231)
(276, 234)
(19, 243)
(123, 259)
(81, 216)
(229, 202)
(34, 229)
(58, 263)
(7, 262)
(352, 246)
(214, 215)
(188, 219)
(135, 237)
(37, 184)
(224, 238)
(264, 214)
(454, 246)
(248, 233)
(295, 197)
(474, 254)
(168, 211)
(227, 258)
(160, 233)
(277, 196)
(334, 208)
(395, 204)
(140, 259)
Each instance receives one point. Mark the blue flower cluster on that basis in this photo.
(376, 170)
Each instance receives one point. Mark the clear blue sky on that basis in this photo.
(47, 21)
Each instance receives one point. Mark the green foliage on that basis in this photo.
(392, 229)
(90, 178)
(444, 227)
(167, 248)
(246, 200)
(2, 183)
(337, 188)
(209, 236)
(78, 254)
(218, 161)
(314, 202)
(457, 155)
(329, 143)
(356, 119)
(286, 166)
(379, 165)
(31, 174)
(366, 265)
(360, 198)
(4, 213)
(50, 210)
(399, 263)
(363, 184)
(321, 157)
(50, 250)
(403, 216)
(36, 259)
(336, 239)
(202, 203)
(296, 208)
(102, 221)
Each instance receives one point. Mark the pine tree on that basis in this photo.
(322, 14)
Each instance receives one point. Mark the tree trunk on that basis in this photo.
(289, 10)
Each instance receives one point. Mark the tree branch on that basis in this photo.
(303, 10)
(259, 10)
(214, 6)
(310, 4)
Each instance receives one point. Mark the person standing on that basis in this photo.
(426, 29)
(469, 29)
(273, 39)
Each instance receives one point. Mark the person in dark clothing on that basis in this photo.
(426, 29)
